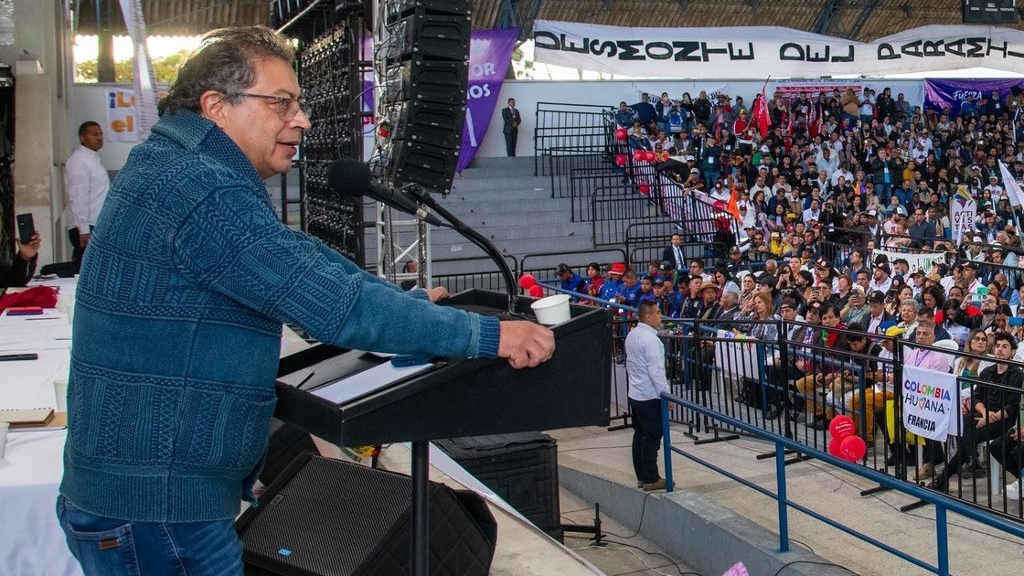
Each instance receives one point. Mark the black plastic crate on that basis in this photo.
(521, 468)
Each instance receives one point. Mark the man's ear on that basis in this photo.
(212, 107)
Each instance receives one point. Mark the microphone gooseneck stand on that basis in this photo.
(419, 542)
(424, 198)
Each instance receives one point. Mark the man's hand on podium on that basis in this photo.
(525, 344)
(437, 293)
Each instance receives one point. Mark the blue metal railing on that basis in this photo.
(942, 504)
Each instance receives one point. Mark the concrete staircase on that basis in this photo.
(503, 200)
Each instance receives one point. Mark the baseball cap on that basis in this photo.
(901, 210)
(894, 331)
(564, 268)
(877, 297)
(617, 268)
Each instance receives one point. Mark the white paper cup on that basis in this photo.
(60, 391)
(4, 426)
(552, 310)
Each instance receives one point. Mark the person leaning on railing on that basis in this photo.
(995, 406)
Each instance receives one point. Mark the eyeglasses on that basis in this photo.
(287, 107)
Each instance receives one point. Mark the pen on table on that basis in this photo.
(306, 379)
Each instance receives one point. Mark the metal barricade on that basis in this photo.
(791, 379)
(484, 275)
(645, 241)
(559, 124)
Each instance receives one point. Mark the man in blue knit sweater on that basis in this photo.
(182, 294)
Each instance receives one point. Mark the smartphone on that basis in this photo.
(26, 228)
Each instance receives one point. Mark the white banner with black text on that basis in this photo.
(928, 401)
(771, 51)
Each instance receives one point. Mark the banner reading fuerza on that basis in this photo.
(763, 51)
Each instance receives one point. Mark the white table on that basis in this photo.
(31, 541)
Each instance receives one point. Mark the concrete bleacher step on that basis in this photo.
(504, 201)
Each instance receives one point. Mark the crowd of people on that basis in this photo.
(836, 194)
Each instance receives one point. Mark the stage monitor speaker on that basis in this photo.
(522, 468)
(421, 33)
(331, 518)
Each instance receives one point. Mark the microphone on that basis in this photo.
(352, 179)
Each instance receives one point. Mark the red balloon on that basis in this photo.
(620, 134)
(638, 156)
(650, 156)
(852, 448)
(833, 447)
(842, 426)
(645, 189)
(536, 291)
(620, 160)
(527, 281)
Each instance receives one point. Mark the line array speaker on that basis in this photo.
(423, 67)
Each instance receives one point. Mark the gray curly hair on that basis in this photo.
(224, 63)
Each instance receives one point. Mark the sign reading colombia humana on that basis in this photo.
(763, 51)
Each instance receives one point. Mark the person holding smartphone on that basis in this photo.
(22, 266)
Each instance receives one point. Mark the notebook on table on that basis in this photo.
(27, 418)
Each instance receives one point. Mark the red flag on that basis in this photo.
(761, 116)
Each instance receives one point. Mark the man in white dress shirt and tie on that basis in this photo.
(645, 368)
(86, 184)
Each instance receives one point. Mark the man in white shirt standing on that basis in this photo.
(86, 184)
(645, 368)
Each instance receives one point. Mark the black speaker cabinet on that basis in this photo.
(522, 468)
(433, 80)
(439, 36)
(424, 163)
(326, 517)
(396, 8)
(422, 121)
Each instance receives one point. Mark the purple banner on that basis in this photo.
(490, 53)
(948, 95)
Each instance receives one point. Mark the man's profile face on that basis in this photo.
(511, 102)
(268, 139)
(92, 138)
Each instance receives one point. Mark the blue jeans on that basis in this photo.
(112, 547)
